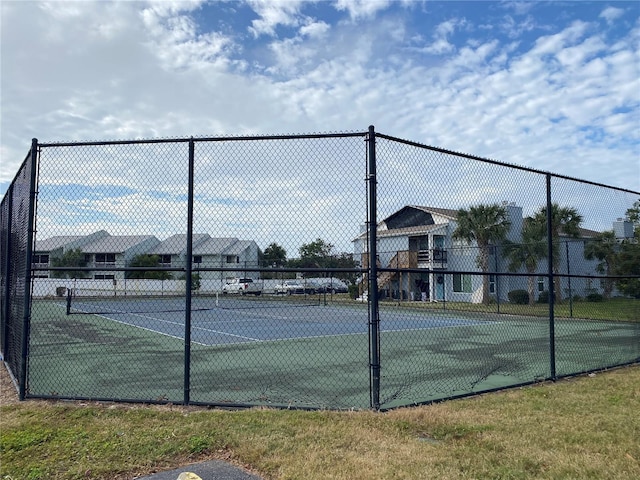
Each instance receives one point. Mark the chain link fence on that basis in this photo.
(240, 271)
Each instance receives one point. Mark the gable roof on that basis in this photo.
(415, 215)
(68, 241)
(445, 212)
(414, 220)
(239, 247)
(177, 244)
(411, 231)
(54, 243)
(117, 243)
(214, 246)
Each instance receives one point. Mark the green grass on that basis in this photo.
(585, 427)
(617, 309)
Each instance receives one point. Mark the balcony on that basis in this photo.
(436, 257)
(105, 264)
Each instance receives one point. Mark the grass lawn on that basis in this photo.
(584, 427)
(617, 309)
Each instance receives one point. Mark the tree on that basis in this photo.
(486, 225)
(73, 258)
(321, 254)
(628, 258)
(315, 254)
(564, 220)
(147, 260)
(344, 260)
(274, 255)
(633, 214)
(603, 247)
(316, 249)
(527, 253)
(628, 263)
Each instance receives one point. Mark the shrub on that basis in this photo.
(519, 297)
(353, 291)
(543, 297)
(594, 297)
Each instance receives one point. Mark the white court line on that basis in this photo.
(253, 315)
(182, 325)
(117, 312)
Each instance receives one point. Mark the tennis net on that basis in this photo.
(100, 302)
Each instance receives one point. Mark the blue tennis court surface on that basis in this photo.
(269, 322)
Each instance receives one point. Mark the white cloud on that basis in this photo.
(566, 101)
(441, 44)
(174, 39)
(611, 14)
(315, 29)
(551, 44)
(361, 8)
(273, 13)
(515, 28)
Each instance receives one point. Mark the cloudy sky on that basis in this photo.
(549, 85)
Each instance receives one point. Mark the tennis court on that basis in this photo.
(299, 352)
(223, 320)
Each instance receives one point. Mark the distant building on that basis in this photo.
(420, 237)
(209, 252)
(103, 252)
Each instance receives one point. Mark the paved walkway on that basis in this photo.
(212, 470)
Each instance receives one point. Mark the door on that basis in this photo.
(439, 290)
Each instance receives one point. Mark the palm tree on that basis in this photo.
(564, 220)
(485, 225)
(603, 247)
(527, 253)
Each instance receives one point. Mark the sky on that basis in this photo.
(553, 86)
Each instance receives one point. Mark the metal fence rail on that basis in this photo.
(368, 272)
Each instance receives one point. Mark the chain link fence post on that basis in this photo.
(374, 320)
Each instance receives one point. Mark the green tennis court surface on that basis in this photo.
(301, 352)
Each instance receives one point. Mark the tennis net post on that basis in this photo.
(68, 301)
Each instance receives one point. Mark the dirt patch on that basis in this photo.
(8, 392)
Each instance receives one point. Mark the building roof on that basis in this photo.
(53, 243)
(239, 247)
(177, 244)
(116, 243)
(446, 212)
(411, 231)
(214, 246)
(404, 221)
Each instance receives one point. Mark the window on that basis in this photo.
(541, 284)
(42, 259)
(165, 260)
(103, 277)
(197, 259)
(461, 283)
(233, 259)
(105, 258)
(492, 284)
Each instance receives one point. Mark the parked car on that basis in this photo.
(311, 288)
(332, 287)
(242, 286)
(289, 287)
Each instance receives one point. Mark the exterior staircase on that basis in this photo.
(402, 259)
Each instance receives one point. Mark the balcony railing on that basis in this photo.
(437, 255)
(412, 259)
(105, 264)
